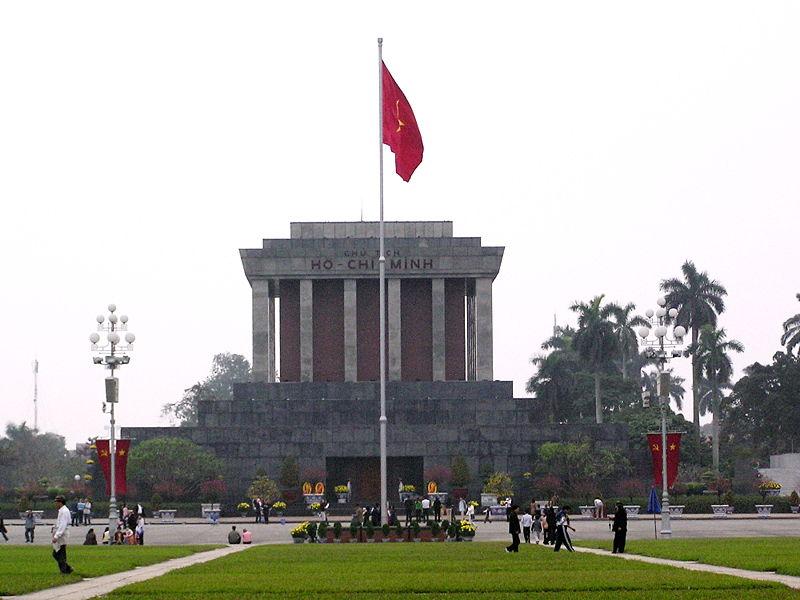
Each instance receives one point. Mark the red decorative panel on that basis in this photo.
(367, 329)
(416, 330)
(328, 320)
(290, 330)
(454, 337)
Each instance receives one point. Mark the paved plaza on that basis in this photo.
(195, 531)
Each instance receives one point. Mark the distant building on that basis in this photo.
(785, 470)
(315, 299)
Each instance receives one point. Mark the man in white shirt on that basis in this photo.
(426, 507)
(60, 536)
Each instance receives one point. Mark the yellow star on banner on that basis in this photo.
(672, 447)
(121, 453)
(655, 447)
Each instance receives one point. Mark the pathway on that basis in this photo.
(788, 580)
(89, 588)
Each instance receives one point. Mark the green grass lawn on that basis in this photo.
(755, 554)
(477, 570)
(29, 568)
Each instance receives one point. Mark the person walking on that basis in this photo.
(536, 528)
(470, 512)
(30, 525)
(87, 512)
(620, 529)
(60, 533)
(527, 522)
(562, 533)
(513, 528)
(437, 509)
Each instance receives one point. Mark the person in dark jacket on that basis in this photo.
(91, 538)
(437, 509)
(513, 528)
(550, 519)
(620, 529)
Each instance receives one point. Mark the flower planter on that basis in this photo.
(771, 492)
(676, 510)
(795, 509)
(764, 510)
(719, 510)
(342, 498)
(632, 509)
(587, 511)
(467, 538)
(298, 540)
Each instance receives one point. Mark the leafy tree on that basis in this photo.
(595, 341)
(791, 332)
(173, 464)
(624, 324)
(264, 488)
(583, 467)
(28, 457)
(699, 299)
(764, 410)
(712, 355)
(499, 483)
(555, 381)
(226, 369)
(460, 472)
(290, 473)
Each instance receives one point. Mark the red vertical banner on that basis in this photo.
(121, 464)
(104, 458)
(673, 456)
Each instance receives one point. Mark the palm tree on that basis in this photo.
(554, 381)
(676, 389)
(595, 341)
(626, 335)
(791, 332)
(712, 354)
(699, 300)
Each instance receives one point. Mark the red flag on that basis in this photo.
(400, 131)
(673, 456)
(120, 464)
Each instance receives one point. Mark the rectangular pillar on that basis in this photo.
(350, 324)
(393, 329)
(306, 330)
(437, 318)
(273, 371)
(263, 332)
(484, 359)
(471, 330)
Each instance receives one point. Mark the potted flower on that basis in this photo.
(337, 532)
(354, 533)
(370, 531)
(342, 494)
(279, 507)
(300, 533)
(322, 532)
(398, 533)
(452, 532)
(386, 530)
(409, 491)
(435, 531)
(794, 501)
(243, 507)
(769, 488)
(315, 507)
(466, 530)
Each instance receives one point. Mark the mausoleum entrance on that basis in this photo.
(364, 474)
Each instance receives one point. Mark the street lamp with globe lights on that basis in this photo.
(112, 354)
(665, 343)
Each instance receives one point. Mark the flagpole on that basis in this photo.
(382, 291)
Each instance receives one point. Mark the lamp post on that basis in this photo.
(112, 355)
(665, 344)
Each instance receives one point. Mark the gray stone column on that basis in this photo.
(484, 367)
(271, 340)
(350, 347)
(393, 328)
(470, 330)
(263, 331)
(306, 330)
(437, 321)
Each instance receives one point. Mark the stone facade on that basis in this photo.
(435, 421)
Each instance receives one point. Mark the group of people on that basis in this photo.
(547, 525)
(81, 512)
(234, 537)
(422, 509)
(365, 515)
(261, 509)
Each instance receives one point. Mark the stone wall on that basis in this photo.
(481, 421)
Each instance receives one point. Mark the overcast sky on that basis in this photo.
(142, 144)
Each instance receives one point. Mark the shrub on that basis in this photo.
(369, 529)
(290, 473)
(452, 530)
(435, 529)
(312, 530)
(322, 530)
(169, 490)
(156, 501)
(794, 499)
(459, 472)
(263, 487)
(398, 530)
(549, 485)
(499, 483)
(445, 525)
(353, 530)
(385, 529)
(695, 488)
(337, 530)
(415, 528)
(212, 490)
(630, 488)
